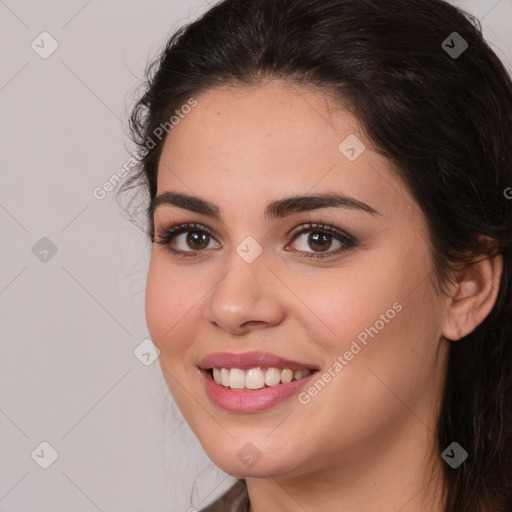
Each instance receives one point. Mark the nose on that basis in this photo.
(246, 298)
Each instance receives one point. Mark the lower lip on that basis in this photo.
(248, 400)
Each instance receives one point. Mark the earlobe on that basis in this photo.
(473, 298)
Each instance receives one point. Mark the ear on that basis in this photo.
(474, 295)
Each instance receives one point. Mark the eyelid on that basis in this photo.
(309, 226)
(342, 236)
(167, 234)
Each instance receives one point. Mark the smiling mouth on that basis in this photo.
(256, 378)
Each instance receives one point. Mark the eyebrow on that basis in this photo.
(273, 210)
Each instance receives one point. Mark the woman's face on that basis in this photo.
(362, 315)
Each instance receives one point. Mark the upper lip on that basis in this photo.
(247, 360)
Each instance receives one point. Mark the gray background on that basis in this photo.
(70, 321)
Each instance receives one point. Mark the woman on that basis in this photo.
(329, 284)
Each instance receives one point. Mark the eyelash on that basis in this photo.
(348, 241)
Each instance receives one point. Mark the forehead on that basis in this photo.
(239, 145)
(266, 121)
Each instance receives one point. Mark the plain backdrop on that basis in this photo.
(77, 392)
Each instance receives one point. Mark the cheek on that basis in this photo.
(168, 300)
(346, 301)
(379, 316)
(157, 304)
(170, 313)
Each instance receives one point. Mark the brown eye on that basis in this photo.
(320, 238)
(193, 239)
(320, 241)
(185, 239)
(197, 240)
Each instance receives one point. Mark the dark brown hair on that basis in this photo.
(445, 121)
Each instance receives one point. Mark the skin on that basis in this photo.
(367, 437)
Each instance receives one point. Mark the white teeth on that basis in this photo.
(272, 377)
(286, 376)
(256, 378)
(236, 378)
(298, 374)
(224, 377)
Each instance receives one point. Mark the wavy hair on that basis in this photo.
(444, 121)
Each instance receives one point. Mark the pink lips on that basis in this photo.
(247, 360)
(247, 400)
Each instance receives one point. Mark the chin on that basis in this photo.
(249, 461)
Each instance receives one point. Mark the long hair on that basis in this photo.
(439, 106)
